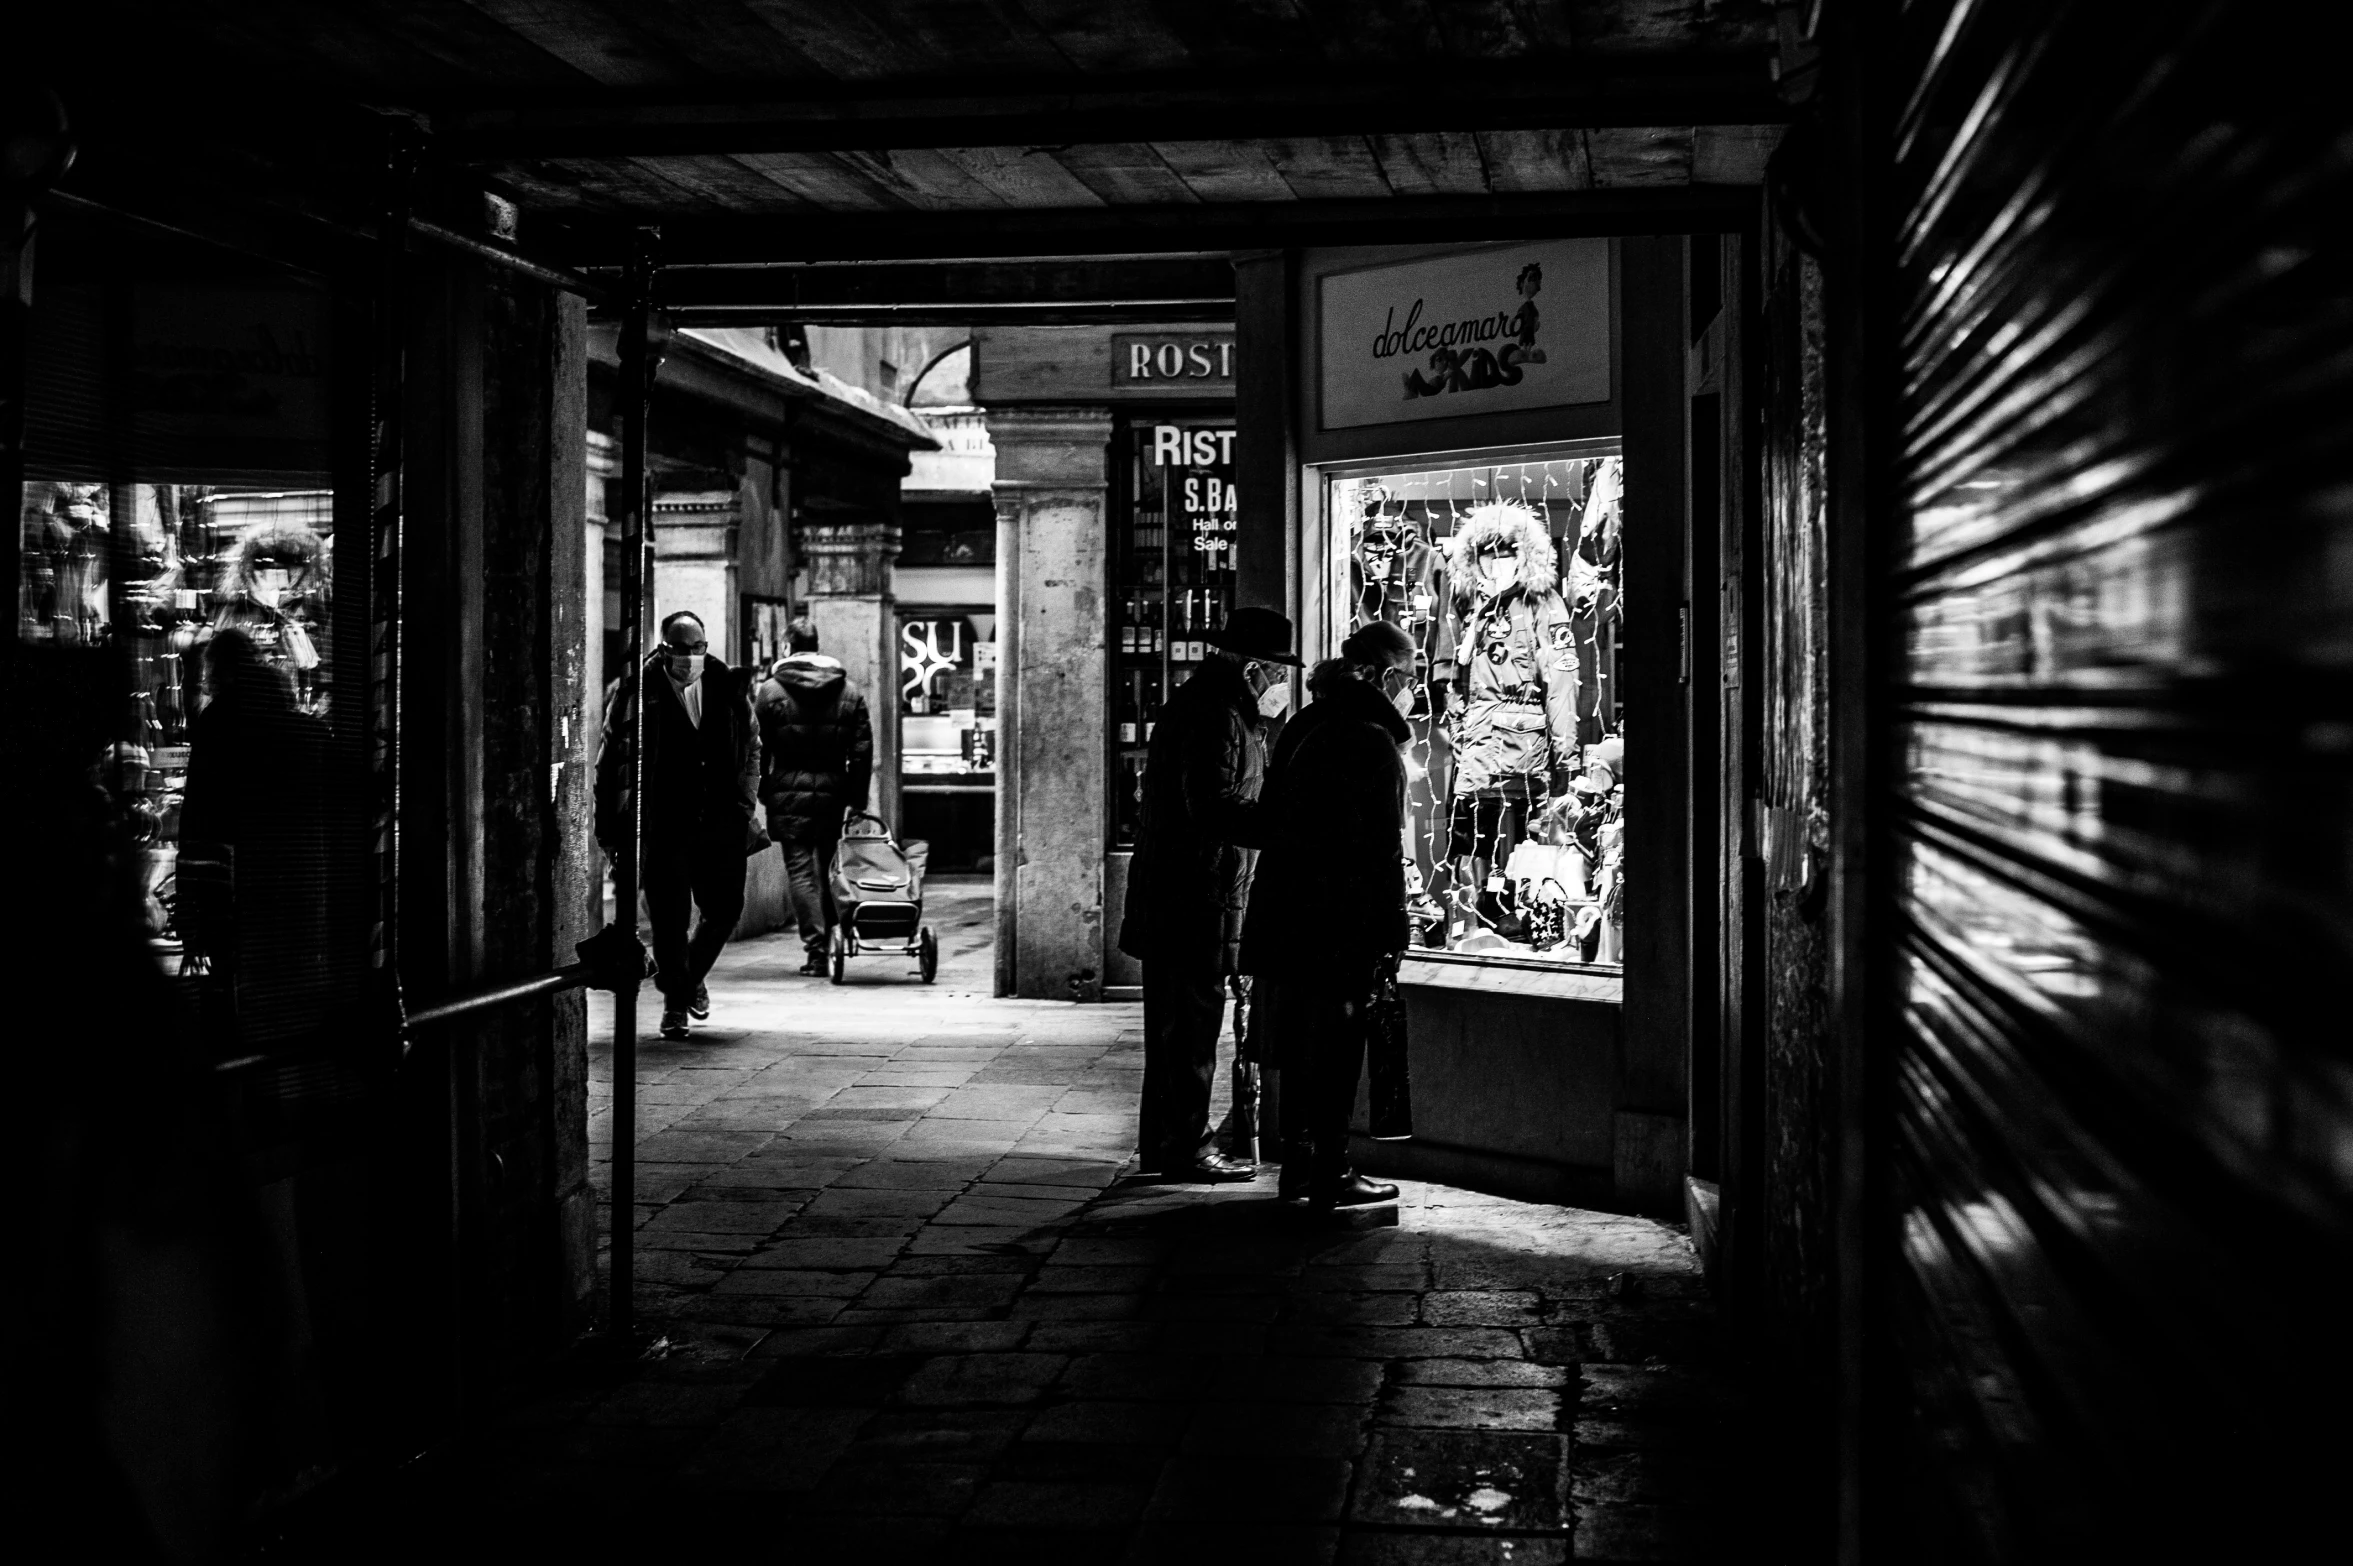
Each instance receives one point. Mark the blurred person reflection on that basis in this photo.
(252, 874)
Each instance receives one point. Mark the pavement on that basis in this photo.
(907, 1303)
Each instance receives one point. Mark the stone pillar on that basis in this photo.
(1266, 443)
(1053, 497)
(856, 614)
(694, 563)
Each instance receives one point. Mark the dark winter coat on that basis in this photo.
(819, 743)
(1190, 878)
(701, 784)
(1330, 891)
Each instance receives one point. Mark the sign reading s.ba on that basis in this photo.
(1157, 359)
(1486, 331)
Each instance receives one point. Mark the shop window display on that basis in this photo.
(219, 602)
(948, 694)
(1172, 584)
(1507, 577)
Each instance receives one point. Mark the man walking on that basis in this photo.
(702, 763)
(1191, 877)
(819, 745)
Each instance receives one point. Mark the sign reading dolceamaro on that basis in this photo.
(1483, 331)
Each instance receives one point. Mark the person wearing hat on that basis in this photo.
(1191, 877)
(1327, 908)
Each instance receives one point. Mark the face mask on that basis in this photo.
(270, 585)
(1497, 572)
(1275, 700)
(1402, 698)
(686, 668)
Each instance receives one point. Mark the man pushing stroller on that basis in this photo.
(817, 741)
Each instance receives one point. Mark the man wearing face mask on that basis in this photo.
(1327, 908)
(1191, 878)
(702, 773)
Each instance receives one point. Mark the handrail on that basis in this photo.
(571, 976)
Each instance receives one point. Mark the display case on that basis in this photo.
(947, 717)
(1507, 577)
(1171, 583)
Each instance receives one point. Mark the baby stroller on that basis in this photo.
(878, 896)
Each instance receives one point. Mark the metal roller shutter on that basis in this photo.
(2121, 1144)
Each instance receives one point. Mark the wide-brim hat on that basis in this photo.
(1251, 632)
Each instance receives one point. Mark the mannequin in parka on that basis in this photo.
(1396, 574)
(1513, 676)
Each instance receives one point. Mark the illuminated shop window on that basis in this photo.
(1507, 577)
(948, 694)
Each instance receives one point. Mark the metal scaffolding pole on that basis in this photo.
(636, 383)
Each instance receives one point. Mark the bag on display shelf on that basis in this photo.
(1537, 862)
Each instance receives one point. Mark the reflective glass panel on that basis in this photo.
(1507, 579)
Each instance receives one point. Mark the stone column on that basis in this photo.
(1053, 497)
(856, 614)
(694, 563)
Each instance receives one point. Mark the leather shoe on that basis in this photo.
(700, 1006)
(1212, 1168)
(674, 1023)
(816, 967)
(1352, 1190)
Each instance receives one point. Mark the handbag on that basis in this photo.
(1386, 1059)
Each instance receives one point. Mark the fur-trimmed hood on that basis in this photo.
(303, 552)
(1504, 519)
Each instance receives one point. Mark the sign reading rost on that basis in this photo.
(1492, 330)
(1159, 359)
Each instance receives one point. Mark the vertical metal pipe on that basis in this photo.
(16, 309)
(636, 384)
(388, 393)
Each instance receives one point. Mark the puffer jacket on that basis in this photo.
(1190, 878)
(1514, 659)
(818, 741)
(1329, 896)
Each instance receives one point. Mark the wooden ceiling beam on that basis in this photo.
(733, 241)
(1137, 312)
(1159, 108)
(791, 292)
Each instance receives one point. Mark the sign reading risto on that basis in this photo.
(1157, 359)
(1486, 331)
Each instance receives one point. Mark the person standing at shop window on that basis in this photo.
(702, 769)
(1191, 878)
(819, 742)
(1327, 909)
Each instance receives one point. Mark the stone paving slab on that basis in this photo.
(911, 1306)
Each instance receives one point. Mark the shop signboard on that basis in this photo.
(1141, 360)
(1500, 329)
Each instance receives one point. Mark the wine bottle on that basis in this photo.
(1130, 705)
(1151, 708)
(1127, 624)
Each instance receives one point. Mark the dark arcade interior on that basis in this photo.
(1916, 1126)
